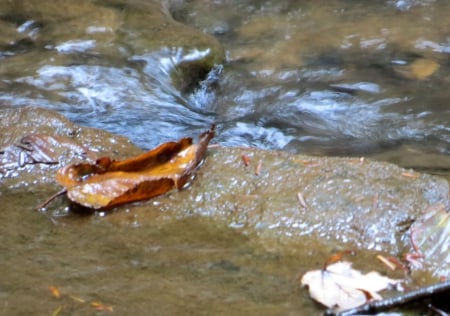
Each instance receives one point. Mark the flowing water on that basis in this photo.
(339, 78)
(315, 77)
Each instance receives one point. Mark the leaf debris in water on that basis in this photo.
(108, 183)
(342, 287)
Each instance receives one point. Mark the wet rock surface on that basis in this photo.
(367, 204)
(281, 198)
(35, 142)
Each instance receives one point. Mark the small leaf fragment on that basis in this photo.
(102, 307)
(423, 68)
(419, 69)
(55, 291)
(245, 160)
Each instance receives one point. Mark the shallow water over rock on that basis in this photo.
(242, 229)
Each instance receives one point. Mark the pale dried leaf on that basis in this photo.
(342, 287)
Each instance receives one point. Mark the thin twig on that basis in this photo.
(301, 200)
(386, 262)
(258, 168)
(50, 199)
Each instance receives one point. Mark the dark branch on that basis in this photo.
(378, 306)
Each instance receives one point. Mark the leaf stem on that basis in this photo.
(50, 199)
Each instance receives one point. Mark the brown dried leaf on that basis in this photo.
(108, 183)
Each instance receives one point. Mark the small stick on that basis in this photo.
(389, 264)
(398, 264)
(50, 199)
(301, 200)
(409, 175)
(258, 168)
(414, 244)
(77, 299)
(245, 160)
(58, 310)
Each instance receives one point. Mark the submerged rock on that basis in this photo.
(121, 32)
(280, 197)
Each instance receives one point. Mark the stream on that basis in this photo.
(335, 79)
(324, 78)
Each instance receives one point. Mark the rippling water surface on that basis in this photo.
(337, 78)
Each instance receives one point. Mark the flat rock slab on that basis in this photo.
(366, 204)
(280, 197)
